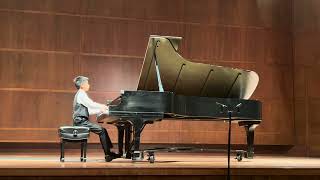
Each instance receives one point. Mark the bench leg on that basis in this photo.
(83, 157)
(61, 150)
(85, 151)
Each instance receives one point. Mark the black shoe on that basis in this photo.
(111, 155)
(128, 155)
(114, 155)
(109, 158)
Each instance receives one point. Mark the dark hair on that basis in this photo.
(79, 80)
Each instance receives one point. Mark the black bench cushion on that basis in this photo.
(74, 132)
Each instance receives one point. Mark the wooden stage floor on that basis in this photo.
(192, 165)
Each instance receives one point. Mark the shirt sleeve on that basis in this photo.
(93, 107)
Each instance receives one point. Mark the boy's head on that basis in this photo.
(82, 82)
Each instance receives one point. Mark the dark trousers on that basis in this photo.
(97, 129)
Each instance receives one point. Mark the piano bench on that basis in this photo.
(74, 134)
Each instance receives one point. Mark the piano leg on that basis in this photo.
(138, 126)
(128, 132)
(121, 129)
(250, 139)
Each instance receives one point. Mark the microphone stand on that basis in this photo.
(229, 113)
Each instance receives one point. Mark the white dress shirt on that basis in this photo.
(93, 107)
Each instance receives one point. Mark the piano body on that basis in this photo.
(171, 88)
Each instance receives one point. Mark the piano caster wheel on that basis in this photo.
(239, 158)
(239, 155)
(151, 157)
(137, 156)
(61, 159)
(83, 159)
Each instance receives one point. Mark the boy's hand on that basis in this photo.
(104, 108)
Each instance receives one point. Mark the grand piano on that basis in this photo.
(171, 87)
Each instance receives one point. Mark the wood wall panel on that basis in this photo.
(300, 122)
(60, 6)
(276, 80)
(255, 13)
(280, 111)
(306, 34)
(59, 110)
(271, 14)
(279, 48)
(300, 83)
(313, 79)
(236, 45)
(22, 109)
(254, 45)
(154, 9)
(113, 36)
(306, 16)
(306, 50)
(37, 70)
(54, 40)
(40, 32)
(111, 73)
(314, 125)
(31, 109)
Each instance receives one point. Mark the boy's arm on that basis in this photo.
(94, 107)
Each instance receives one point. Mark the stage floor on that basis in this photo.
(47, 164)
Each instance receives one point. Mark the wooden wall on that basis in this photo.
(306, 80)
(45, 43)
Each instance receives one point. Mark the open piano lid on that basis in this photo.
(184, 77)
